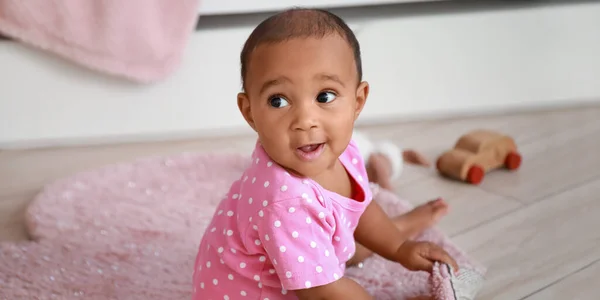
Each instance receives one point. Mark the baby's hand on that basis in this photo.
(420, 256)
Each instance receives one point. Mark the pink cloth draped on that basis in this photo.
(141, 40)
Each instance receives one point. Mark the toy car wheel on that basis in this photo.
(475, 174)
(513, 161)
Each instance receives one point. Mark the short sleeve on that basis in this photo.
(297, 237)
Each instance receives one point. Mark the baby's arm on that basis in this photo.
(377, 232)
(344, 288)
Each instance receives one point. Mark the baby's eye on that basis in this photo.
(278, 102)
(325, 97)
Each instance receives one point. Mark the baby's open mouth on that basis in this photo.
(310, 152)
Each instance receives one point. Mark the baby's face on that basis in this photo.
(302, 98)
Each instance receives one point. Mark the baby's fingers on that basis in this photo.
(438, 254)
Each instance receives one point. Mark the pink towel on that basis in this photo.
(141, 40)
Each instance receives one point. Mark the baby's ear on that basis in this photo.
(362, 93)
(244, 105)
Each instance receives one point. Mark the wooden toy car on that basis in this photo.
(477, 153)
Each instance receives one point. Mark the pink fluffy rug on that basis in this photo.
(130, 231)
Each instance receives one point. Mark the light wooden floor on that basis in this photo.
(538, 230)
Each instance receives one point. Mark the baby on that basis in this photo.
(302, 211)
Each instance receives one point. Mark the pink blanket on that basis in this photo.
(137, 39)
(131, 231)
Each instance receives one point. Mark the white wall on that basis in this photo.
(419, 63)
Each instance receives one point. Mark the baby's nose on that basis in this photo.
(305, 118)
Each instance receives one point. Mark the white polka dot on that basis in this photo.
(250, 219)
(213, 229)
(215, 281)
(349, 255)
(274, 261)
(336, 276)
(230, 213)
(253, 179)
(283, 291)
(284, 188)
(320, 198)
(235, 196)
(225, 297)
(257, 159)
(300, 258)
(245, 178)
(220, 250)
(230, 276)
(313, 244)
(326, 252)
(220, 212)
(201, 285)
(261, 213)
(277, 223)
(260, 285)
(267, 237)
(360, 178)
(288, 274)
(208, 264)
(262, 258)
(307, 284)
(232, 250)
(256, 277)
(305, 181)
(250, 200)
(266, 184)
(304, 196)
(271, 271)
(257, 242)
(319, 269)
(221, 261)
(321, 215)
(337, 238)
(308, 200)
(265, 203)
(295, 234)
(230, 232)
(270, 163)
(243, 293)
(354, 160)
(254, 227)
(282, 248)
(308, 220)
(345, 249)
(242, 265)
(292, 209)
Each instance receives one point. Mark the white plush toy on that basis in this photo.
(384, 160)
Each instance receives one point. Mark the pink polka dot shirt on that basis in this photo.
(275, 232)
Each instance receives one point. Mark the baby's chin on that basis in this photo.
(302, 169)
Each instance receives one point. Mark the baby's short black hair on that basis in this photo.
(299, 23)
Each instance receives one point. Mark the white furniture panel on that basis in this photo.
(221, 7)
(418, 66)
